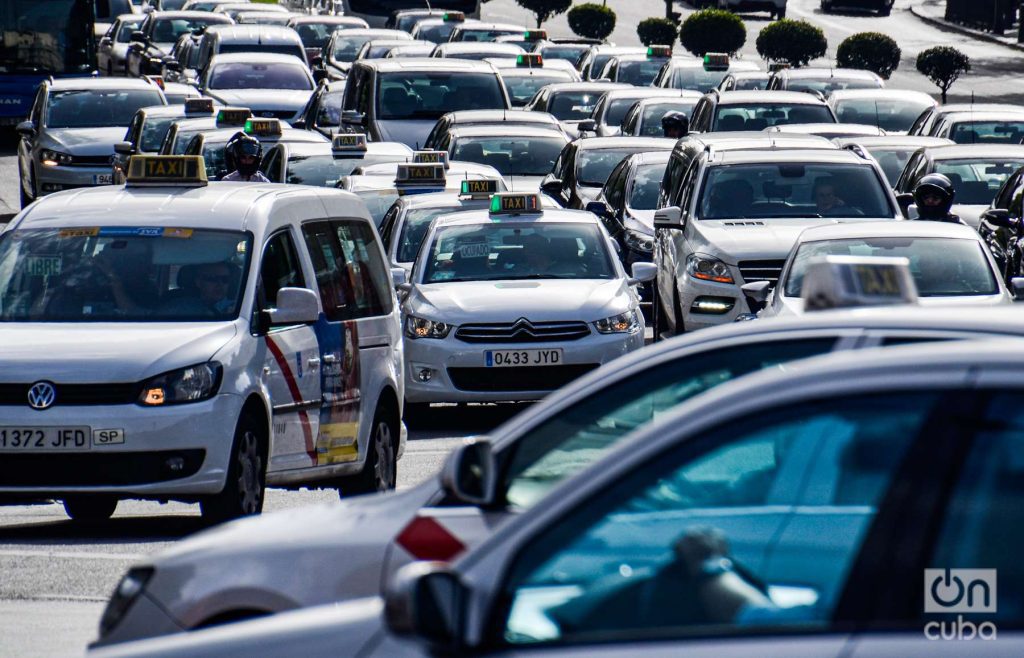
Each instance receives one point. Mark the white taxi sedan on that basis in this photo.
(511, 303)
(949, 263)
(174, 340)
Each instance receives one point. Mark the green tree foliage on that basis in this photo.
(713, 31)
(545, 9)
(591, 20)
(871, 51)
(656, 30)
(791, 42)
(943, 65)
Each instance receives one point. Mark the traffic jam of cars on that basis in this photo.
(759, 329)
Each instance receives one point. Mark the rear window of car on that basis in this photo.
(758, 116)
(429, 94)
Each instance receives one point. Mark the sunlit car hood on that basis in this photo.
(546, 300)
(411, 132)
(969, 213)
(740, 239)
(83, 141)
(523, 183)
(106, 352)
(641, 221)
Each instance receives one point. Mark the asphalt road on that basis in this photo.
(56, 576)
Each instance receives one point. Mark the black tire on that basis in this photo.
(885, 11)
(380, 469)
(658, 321)
(246, 485)
(26, 199)
(90, 508)
(780, 14)
(416, 414)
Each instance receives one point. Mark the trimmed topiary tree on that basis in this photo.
(791, 42)
(713, 31)
(656, 30)
(943, 65)
(872, 51)
(591, 20)
(545, 9)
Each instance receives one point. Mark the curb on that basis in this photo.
(953, 27)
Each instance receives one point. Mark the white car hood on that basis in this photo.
(793, 306)
(411, 132)
(263, 99)
(524, 183)
(84, 141)
(546, 300)
(969, 213)
(741, 239)
(641, 221)
(106, 352)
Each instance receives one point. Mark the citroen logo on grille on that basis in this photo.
(41, 395)
(522, 325)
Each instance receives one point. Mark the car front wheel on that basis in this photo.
(90, 508)
(245, 487)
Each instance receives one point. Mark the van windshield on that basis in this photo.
(122, 274)
(429, 94)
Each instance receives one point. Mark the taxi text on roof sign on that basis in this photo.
(233, 116)
(479, 187)
(166, 170)
(848, 281)
(430, 157)
(454, 16)
(420, 174)
(263, 127)
(349, 144)
(530, 60)
(659, 50)
(535, 35)
(514, 204)
(198, 106)
(716, 62)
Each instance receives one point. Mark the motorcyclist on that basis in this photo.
(675, 124)
(934, 196)
(244, 152)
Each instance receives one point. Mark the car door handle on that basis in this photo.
(313, 361)
(330, 358)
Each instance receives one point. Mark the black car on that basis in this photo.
(1001, 225)
(323, 112)
(155, 38)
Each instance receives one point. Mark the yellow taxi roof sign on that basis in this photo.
(454, 16)
(512, 203)
(535, 35)
(479, 188)
(716, 62)
(850, 281)
(659, 50)
(166, 171)
(530, 60)
(417, 174)
(198, 106)
(233, 116)
(263, 127)
(349, 145)
(430, 157)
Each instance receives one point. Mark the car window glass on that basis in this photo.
(566, 443)
(369, 279)
(430, 94)
(280, 268)
(643, 193)
(614, 188)
(976, 181)
(97, 108)
(623, 564)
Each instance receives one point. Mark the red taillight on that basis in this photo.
(426, 539)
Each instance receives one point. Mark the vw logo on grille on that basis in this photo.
(41, 395)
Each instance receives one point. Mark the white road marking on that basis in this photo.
(73, 555)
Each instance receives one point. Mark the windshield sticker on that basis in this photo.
(43, 265)
(79, 232)
(178, 233)
(474, 250)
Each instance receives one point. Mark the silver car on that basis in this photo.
(69, 137)
(112, 49)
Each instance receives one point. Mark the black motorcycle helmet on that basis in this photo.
(675, 122)
(934, 195)
(244, 153)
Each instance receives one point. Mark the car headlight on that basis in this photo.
(708, 268)
(192, 384)
(54, 158)
(423, 328)
(639, 241)
(623, 323)
(127, 591)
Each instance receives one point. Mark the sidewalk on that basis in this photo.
(933, 12)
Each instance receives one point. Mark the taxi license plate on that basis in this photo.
(44, 439)
(103, 179)
(520, 358)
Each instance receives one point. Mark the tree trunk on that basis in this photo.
(668, 9)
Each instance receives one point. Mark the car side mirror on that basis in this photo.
(756, 294)
(469, 475)
(552, 186)
(999, 217)
(319, 75)
(1017, 288)
(104, 42)
(587, 126)
(642, 272)
(353, 117)
(139, 36)
(905, 200)
(599, 208)
(426, 601)
(669, 218)
(26, 129)
(123, 148)
(294, 306)
(399, 277)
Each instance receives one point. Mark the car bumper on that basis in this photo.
(56, 179)
(459, 373)
(144, 618)
(179, 451)
(700, 302)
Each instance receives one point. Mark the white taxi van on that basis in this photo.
(178, 340)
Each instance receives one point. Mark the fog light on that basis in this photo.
(51, 187)
(175, 464)
(424, 375)
(712, 305)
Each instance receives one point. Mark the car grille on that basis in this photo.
(73, 394)
(760, 270)
(82, 469)
(89, 161)
(522, 331)
(539, 378)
